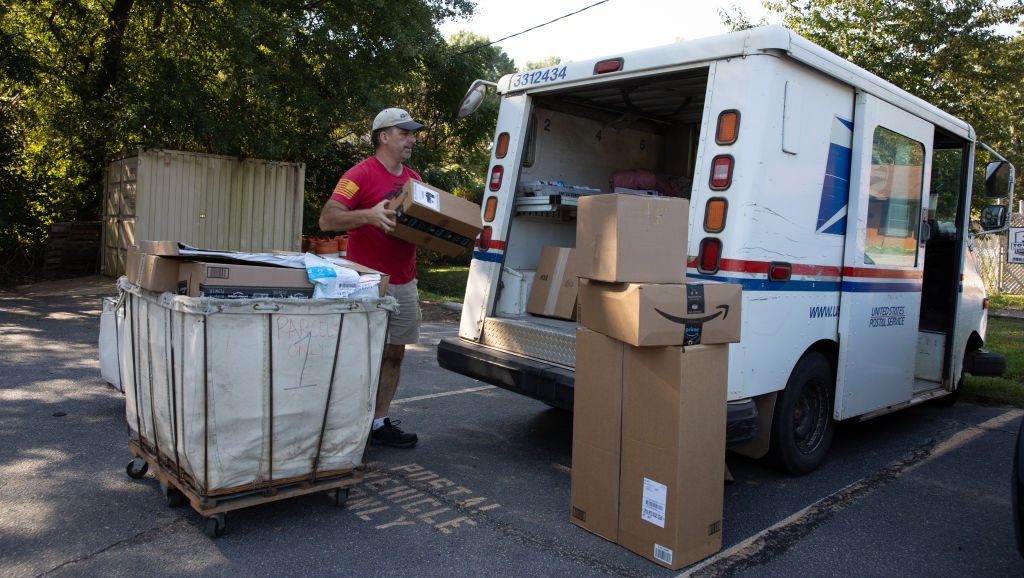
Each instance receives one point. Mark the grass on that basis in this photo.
(1005, 336)
(443, 283)
(1003, 301)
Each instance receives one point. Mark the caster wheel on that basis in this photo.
(215, 525)
(340, 497)
(172, 496)
(136, 468)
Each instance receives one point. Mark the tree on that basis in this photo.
(455, 152)
(252, 78)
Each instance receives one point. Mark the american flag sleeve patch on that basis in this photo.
(345, 188)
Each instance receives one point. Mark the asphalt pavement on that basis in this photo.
(924, 492)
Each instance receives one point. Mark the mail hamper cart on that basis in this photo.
(234, 403)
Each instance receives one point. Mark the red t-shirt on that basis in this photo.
(362, 187)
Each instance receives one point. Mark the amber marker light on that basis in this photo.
(501, 149)
(714, 215)
(490, 207)
(728, 127)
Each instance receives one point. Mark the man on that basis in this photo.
(359, 205)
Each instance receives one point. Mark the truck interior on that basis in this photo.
(946, 206)
(578, 138)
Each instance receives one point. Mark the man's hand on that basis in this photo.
(337, 217)
(382, 217)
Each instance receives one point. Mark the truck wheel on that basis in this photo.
(802, 427)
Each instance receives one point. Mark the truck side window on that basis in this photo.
(894, 201)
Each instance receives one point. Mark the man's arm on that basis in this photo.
(337, 217)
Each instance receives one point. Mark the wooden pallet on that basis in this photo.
(213, 507)
(72, 249)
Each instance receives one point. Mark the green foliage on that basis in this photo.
(545, 63)
(1004, 301)
(83, 80)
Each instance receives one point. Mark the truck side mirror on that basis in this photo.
(993, 217)
(997, 179)
(474, 98)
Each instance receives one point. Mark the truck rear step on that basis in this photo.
(549, 340)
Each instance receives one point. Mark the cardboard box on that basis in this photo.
(651, 314)
(628, 238)
(596, 433)
(554, 285)
(151, 272)
(233, 281)
(673, 452)
(432, 218)
(161, 248)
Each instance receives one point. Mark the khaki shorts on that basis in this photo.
(404, 326)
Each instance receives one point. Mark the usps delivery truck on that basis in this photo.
(838, 201)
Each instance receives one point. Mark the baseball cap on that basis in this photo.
(395, 117)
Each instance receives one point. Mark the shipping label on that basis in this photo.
(655, 500)
(423, 196)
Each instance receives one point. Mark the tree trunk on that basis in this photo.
(105, 78)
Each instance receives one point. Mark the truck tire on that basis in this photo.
(802, 427)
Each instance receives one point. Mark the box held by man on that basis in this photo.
(436, 219)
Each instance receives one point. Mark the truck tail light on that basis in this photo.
(484, 242)
(984, 303)
(496, 174)
(728, 127)
(501, 148)
(714, 215)
(778, 271)
(721, 172)
(710, 256)
(490, 207)
(610, 65)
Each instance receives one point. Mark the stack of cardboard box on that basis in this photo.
(160, 266)
(650, 393)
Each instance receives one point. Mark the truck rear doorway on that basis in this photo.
(577, 139)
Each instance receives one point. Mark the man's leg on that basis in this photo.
(390, 370)
(402, 330)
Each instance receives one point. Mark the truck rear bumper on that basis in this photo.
(553, 384)
(983, 363)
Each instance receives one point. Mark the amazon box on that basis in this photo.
(234, 281)
(651, 314)
(435, 219)
(553, 293)
(673, 452)
(628, 238)
(596, 433)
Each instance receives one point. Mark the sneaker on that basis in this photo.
(389, 435)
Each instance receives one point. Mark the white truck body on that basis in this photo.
(831, 178)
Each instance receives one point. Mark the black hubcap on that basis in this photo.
(810, 417)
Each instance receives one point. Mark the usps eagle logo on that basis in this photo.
(835, 190)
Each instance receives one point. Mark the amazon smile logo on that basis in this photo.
(723, 310)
